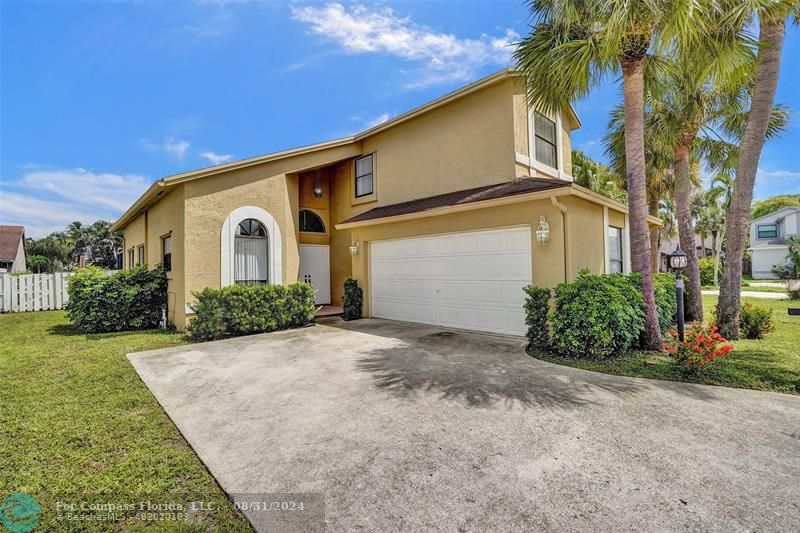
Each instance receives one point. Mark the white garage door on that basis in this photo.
(462, 280)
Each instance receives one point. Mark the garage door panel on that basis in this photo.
(469, 280)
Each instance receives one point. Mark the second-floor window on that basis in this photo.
(767, 231)
(364, 174)
(546, 145)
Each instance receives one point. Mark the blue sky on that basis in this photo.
(100, 99)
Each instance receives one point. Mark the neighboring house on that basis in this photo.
(434, 212)
(12, 249)
(768, 240)
(668, 245)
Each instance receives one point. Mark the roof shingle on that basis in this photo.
(467, 196)
(9, 241)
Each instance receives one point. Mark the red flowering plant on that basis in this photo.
(702, 346)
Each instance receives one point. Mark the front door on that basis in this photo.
(315, 268)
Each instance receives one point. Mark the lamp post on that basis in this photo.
(677, 262)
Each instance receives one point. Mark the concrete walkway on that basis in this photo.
(755, 294)
(412, 428)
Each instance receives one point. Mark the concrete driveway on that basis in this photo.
(412, 428)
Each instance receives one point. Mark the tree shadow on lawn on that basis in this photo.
(69, 330)
(483, 373)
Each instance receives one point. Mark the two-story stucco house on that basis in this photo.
(434, 212)
(768, 240)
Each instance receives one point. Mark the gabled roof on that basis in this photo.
(154, 192)
(9, 241)
(783, 211)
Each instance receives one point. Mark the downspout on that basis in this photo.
(565, 224)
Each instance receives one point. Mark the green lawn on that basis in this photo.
(77, 423)
(771, 364)
(750, 288)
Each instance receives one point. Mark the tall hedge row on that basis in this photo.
(126, 300)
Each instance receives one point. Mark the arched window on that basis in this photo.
(251, 253)
(236, 247)
(311, 222)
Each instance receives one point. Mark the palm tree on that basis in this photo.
(595, 176)
(772, 26)
(572, 47)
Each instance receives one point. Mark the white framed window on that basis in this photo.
(615, 253)
(364, 185)
(545, 140)
(250, 250)
(767, 231)
(131, 257)
(140, 254)
(251, 253)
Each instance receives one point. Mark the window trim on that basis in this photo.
(140, 255)
(773, 225)
(131, 256)
(367, 197)
(535, 165)
(621, 241)
(227, 242)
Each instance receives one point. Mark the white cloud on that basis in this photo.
(771, 182)
(380, 119)
(443, 57)
(47, 200)
(214, 158)
(170, 146)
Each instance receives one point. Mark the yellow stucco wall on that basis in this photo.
(466, 143)
(616, 219)
(321, 206)
(134, 236)
(160, 219)
(587, 235)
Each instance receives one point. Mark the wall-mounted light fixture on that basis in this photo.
(543, 231)
(318, 187)
(354, 248)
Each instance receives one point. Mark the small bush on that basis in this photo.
(706, 271)
(353, 300)
(755, 321)
(702, 346)
(597, 316)
(127, 300)
(537, 305)
(248, 309)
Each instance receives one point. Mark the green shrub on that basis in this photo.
(755, 321)
(537, 306)
(353, 300)
(706, 271)
(597, 316)
(664, 290)
(247, 309)
(127, 300)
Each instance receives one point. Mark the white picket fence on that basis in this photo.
(33, 292)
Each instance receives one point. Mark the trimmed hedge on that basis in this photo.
(596, 316)
(247, 309)
(131, 299)
(353, 300)
(537, 306)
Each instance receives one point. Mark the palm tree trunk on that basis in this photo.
(771, 32)
(683, 193)
(655, 236)
(633, 100)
